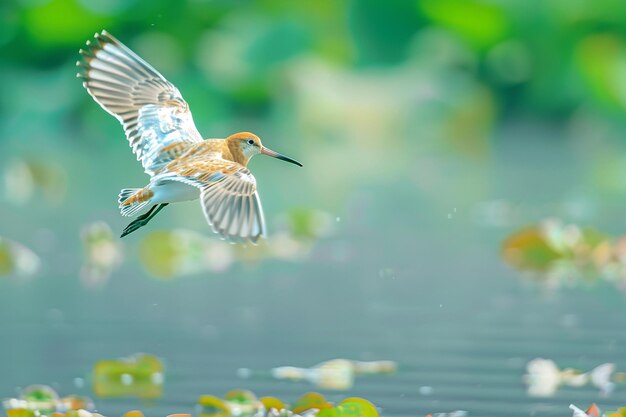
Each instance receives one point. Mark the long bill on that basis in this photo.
(274, 154)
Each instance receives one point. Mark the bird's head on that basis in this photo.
(245, 145)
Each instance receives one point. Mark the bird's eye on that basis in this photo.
(250, 142)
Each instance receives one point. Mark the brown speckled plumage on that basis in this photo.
(140, 196)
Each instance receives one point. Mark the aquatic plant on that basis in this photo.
(140, 376)
(558, 254)
(244, 403)
(42, 400)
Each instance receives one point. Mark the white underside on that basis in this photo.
(172, 192)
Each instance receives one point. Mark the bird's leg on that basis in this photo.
(143, 219)
(147, 214)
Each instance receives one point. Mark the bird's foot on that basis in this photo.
(134, 225)
(143, 220)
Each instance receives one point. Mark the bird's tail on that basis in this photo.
(132, 200)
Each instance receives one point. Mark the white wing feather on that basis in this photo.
(230, 202)
(151, 109)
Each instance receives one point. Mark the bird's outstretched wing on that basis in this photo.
(228, 196)
(151, 109)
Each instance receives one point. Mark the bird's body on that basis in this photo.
(181, 164)
(197, 161)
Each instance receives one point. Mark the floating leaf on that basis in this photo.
(240, 396)
(27, 179)
(235, 403)
(351, 407)
(272, 402)
(529, 250)
(335, 374)
(544, 377)
(211, 406)
(457, 413)
(621, 412)
(600, 377)
(374, 367)
(172, 253)
(242, 402)
(41, 398)
(566, 253)
(245, 403)
(39, 394)
(16, 259)
(81, 413)
(21, 412)
(133, 413)
(308, 223)
(137, 376)
(103, 253)
(309, 401)
(75, 402)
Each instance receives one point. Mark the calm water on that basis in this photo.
(410, 275)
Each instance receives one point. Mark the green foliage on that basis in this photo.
(482, 24)
(48, 25)
(621, 412)
(557, 54)
(138, 376)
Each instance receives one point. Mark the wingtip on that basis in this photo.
(102, 34)
(105, 37)
(238, 239)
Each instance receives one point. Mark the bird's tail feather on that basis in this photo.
(133, 200)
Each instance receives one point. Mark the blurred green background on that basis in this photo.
(429, 130)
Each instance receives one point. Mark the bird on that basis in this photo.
(182, 165)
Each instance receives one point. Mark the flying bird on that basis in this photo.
(160, 130)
